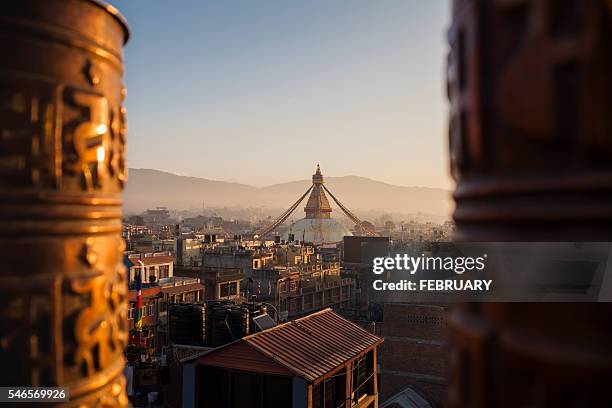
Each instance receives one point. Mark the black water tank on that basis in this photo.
(187, 324)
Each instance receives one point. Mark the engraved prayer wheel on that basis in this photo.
(62, 169)
(530, 89)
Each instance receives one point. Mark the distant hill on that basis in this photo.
(149, 188)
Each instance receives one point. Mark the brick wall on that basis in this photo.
(413, 353)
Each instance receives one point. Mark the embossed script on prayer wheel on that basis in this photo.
(529, 83)
(62, 169)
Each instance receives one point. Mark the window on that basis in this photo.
(151, 307)
(283, 286)
(164, 271)
(134, 276)
(331, 393)
(227, 289)
(130, 313)
(190, 297)
(362, 373)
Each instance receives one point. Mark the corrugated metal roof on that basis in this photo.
(309, 347)
(183, 353)
(407, 398)
(240, 356)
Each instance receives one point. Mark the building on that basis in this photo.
(312, 288)
(150, 243)
(188, 250)
(414, 352)
(220, 283)
(358, 256)
(321, 360)
(157, 218)
(159, 288)
(318, 226)
(130, 232)
(415, 231)
(180, 289)
(407, 398)
(294, 253)
(177, 355)
(233, 256)
(154, 266)
(292, 276)
(150, 309)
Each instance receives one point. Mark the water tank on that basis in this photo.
(187, 324)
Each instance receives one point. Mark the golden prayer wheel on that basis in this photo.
(62, 169)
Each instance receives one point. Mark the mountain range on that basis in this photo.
(147, 188)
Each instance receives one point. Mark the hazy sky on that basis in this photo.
(260, 91)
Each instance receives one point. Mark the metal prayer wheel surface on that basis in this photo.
(530, 87)
(530, 125)
(62, 169)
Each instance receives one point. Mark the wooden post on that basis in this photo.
(348, 385)
(375, 370)
(309, 402)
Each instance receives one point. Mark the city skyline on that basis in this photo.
(356, 86)
(289, 235)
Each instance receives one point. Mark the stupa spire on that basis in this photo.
(318, 204)
(317, 178)
(317, 226)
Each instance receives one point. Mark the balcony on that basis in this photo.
(177, 281)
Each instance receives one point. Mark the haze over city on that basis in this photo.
(271, 222)
(259, 92)
(149, 188)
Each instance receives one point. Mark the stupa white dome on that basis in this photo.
(318, 230)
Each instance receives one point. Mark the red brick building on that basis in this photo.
(151, 299)
(414, 352)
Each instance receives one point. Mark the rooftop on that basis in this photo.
(147, 293)
(407, 398)
(309, 347)
(151, 260)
